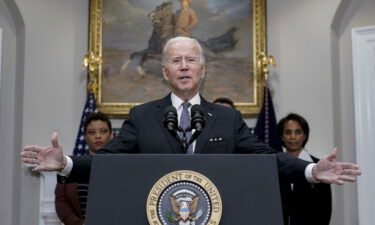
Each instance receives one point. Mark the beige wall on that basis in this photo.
(299, 38)
(55, 83)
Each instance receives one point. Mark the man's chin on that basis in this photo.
(184, 88)
(186, 92)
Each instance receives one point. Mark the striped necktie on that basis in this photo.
(185, 122)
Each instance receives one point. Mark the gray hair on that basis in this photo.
(175, 39)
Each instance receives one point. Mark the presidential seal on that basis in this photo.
(184, 198)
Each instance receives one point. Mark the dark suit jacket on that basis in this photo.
(306, 204)
(67, 204)
(144, 133)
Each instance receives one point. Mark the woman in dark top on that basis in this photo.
(70, 199)
(303, 203)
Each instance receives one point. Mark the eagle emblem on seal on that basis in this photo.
(184, 205)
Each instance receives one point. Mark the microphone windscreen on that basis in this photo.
(196, 109)
(197, 118)
(170, 120)
(170, 110)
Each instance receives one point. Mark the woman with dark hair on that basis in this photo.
(224, 101)
(70, 199)
(303, 203)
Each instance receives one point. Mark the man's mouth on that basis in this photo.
(184, 77)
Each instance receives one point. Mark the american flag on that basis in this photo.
(81, 147)
(266, 126)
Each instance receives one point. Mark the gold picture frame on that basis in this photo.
(98, 72)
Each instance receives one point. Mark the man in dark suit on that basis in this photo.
(225, 131)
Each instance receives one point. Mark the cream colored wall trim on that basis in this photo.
(47, 199)
(363, 44)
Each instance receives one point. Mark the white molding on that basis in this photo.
(47, 211)
(363, 44)
(1, 45)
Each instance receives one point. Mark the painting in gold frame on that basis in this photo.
(232, 33)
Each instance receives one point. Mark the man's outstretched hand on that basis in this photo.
(329, 171)
(45, 158)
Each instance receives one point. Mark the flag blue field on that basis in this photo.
(80, 147)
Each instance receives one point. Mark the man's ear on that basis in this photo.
(203, 72)
(165, 73)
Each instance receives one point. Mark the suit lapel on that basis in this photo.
(210, 118)
(160, 108)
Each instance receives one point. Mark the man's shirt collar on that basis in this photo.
(176, 101)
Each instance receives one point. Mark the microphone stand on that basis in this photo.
(181, 139)
(184, 144)
(193, 137)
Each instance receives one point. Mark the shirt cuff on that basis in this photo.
(68, 167)
(308, 174)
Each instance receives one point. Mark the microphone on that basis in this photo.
(197, 118)
(197, 122)
(170, 122)
(170, 118)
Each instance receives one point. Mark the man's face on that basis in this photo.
(185, 3)
(183, 68)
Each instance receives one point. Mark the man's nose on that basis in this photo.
(184, 64)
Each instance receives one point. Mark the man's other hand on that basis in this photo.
(329, 171)
(45, 158)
